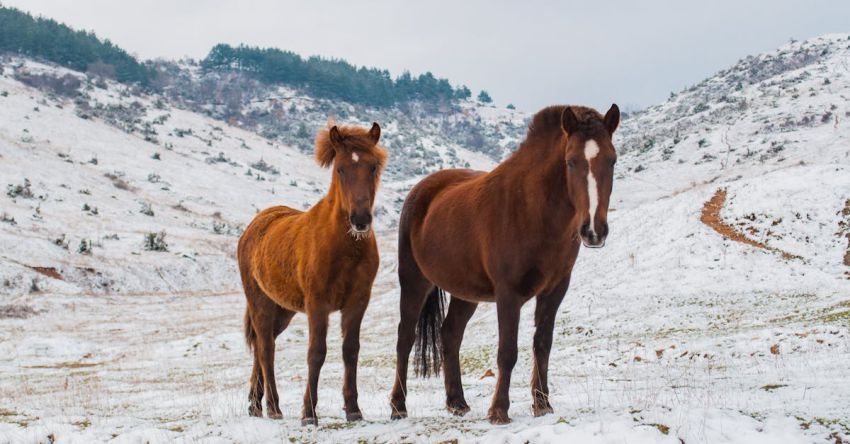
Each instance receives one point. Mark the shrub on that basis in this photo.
(261, 165)
(61, 242)
(89, 209)
(155, 242)
(8, 219)
(84, 247)
(146, 209)
(23, 190)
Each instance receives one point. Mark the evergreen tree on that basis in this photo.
(484, 97)
(43, 38)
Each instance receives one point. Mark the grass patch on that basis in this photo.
(772, 387)
(477, 360)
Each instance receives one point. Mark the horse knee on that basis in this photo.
(350, 350)
(541, 345)
(507, 358)
(316, 356)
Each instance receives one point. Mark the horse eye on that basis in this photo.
(373, 169)
(571, 163)
(613, 162)
(339, 170)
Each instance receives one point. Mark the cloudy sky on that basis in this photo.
(530, 53)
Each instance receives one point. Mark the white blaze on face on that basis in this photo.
(591, 149)
(355, 157)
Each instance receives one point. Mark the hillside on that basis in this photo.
(719, 311)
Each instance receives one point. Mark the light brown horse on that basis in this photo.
(504, 237)
(314, 262)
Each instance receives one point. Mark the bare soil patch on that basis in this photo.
(711, 217)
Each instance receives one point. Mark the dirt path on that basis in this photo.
(711, 217)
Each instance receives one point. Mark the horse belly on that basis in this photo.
(276, 261)
(450, 257)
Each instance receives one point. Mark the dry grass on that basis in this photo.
(15, 311)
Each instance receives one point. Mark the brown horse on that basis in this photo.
(505, 237)
(314, 262)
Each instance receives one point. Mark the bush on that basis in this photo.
(146, 209)
(23, 190)
(484, 97)
(155, 242)
(261, 165)
(84, 247)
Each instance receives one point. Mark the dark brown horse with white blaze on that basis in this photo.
(314, 262)
(504, 237)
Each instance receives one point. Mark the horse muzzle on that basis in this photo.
(591, 238)
(360, 222)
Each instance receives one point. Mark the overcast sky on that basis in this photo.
(530, 53)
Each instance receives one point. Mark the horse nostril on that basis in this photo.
(604, 231)
(585, 229)
(361, 227)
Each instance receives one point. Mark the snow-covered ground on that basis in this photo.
(671, 333)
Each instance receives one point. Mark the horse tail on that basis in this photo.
(428, 355)
(250, 334)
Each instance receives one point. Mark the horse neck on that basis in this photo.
(537, 168)
(330, 208)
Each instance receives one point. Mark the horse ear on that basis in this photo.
(569, 121)
(375, 132)
(335, 136)
(612, 118)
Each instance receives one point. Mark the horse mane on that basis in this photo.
(591, 123)
(545, 127)
(356, 139)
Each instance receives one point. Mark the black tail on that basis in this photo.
(428, 355)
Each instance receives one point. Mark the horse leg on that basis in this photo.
(265, 320)
(255, 394)
(544, 321)
(351, 319)
(414, 291)
(316, 352)
(264, 349)
(508, 306)
(458, 316)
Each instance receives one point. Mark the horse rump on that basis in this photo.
(428, 354)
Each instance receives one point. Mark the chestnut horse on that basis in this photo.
(314, 262)
(504, 237)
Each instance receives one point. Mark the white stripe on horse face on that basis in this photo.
(355, 157)
(591, 149)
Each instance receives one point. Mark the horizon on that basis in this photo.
(634, 59)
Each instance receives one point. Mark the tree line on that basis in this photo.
(333, 78)
(44, 38)
(336, 79)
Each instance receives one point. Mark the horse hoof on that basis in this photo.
(398, 414)
(499, 418)
(354, 416)
(309, 422)
(458, 409)
(257, 413)
(542, 411)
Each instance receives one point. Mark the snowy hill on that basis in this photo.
(719, 311)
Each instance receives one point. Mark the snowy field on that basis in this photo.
(672, 333)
